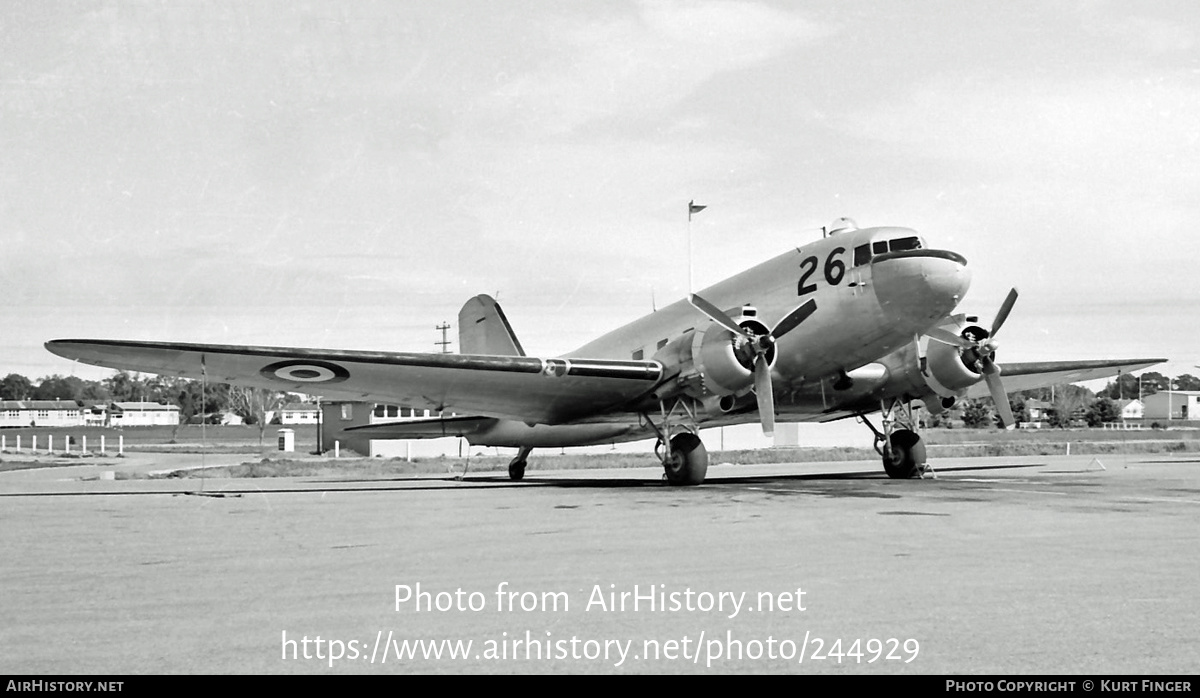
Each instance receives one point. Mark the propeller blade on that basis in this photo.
(1005, 309)
(716, 314)
(991, 373)
(794, 318)
(947, 337)
(762, 391)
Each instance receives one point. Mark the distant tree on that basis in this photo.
(977, 414)
(95, 390)
(1187, 382)
(1102, 410)
(1069, 404)
(121, 386)
(200, 398)
(253, 404)
(58, 387)
(1017, 405)
(15, 387)
(1153, 382)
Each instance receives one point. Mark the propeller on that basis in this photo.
(981, 351)
(759, 344)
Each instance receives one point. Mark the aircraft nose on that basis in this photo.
(921, 286)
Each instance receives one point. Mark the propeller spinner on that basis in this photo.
(981, 351)
(760, 345)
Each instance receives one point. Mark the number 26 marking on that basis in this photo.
(835, 271)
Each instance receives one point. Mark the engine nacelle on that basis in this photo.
(946, 369)
(712, 362)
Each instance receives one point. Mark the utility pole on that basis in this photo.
(445, 343)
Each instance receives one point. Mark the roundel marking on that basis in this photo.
(555, 368)
(300, 371)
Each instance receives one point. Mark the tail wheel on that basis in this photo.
(905, 455)
(688, 462)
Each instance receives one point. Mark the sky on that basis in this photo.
(345, 174)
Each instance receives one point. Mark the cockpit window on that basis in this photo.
(879, 247)
(902, 244)
(862, 255)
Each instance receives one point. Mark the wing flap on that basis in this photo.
(528, 389)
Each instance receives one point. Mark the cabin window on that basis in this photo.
(393, 411)
(637, 355)
(662, 343)
(901, 244)
(379, 410)
(862, 255)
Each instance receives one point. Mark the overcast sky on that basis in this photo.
(346, 174)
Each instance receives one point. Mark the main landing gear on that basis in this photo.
(898, 444)
(684, 458)
(516, 466)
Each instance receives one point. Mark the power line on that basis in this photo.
(445, 343)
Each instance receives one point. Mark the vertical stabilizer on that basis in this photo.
(483, 329)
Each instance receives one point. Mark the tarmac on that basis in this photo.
(1024, 565)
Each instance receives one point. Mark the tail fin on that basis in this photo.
(483, 329)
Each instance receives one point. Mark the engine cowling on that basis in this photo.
(949, 370)
(713, 363)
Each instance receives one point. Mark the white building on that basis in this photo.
(1131, 409)
(298, 413)
(1177, 404)
(40, 413)
(142, 414)
(339, 415)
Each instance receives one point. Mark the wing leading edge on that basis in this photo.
(528, 389)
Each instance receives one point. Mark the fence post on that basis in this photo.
(337, 445)
(102, 444)
(50, 445)
(120, 444)
(84, 449)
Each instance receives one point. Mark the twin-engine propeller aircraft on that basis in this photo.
(856, 322)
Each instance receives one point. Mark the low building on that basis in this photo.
(142, 414)
(1131, 409)
(298, 413)
(1036, 413)
(337, 416)
(40, 413)
(1176, 404)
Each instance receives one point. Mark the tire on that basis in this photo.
(689, 460)
(905, 455)
(516, 470)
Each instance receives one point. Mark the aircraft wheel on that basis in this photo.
(516, 470)
(905, 454)
(688, 463)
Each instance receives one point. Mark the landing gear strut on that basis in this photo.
(684, 458)
(516, 467)
(898, 444)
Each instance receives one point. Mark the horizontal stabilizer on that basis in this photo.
(429, 428)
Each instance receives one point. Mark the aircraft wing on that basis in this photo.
(524, 388)
(1039, 374)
